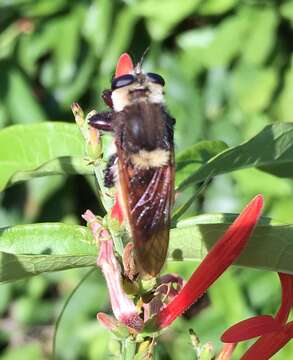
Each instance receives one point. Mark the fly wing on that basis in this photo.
(147, 197)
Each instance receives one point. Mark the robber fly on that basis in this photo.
(143, 167)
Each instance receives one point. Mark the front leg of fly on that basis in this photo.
(102, 121)
(110, 172)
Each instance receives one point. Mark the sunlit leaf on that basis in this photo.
(35, 45)
(120, 38)
(261, 38)
(8, 40)
(216, 7)
(270, 247)
(45, 8)
(287, 11)
(66, 45)
(163, 15)
(38, 150)
(286, 97)
(22, 103)
(98, 17)
(69, 92)
(191, 159)
(271, 150)
(32, 249)
(253, 87)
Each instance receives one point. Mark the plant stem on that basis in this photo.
(128, 349)
(92, 144)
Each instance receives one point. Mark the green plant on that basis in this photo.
(226, 80)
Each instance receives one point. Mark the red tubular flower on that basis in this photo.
(269, 344)
(227, 352)
(123, 308)
(220, 257)
(116, 212)
(251, 328)
(274, 331)
(287, 297)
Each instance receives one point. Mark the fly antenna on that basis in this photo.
(138, 66)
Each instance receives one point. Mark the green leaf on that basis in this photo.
(269, 248)
(22, 103)
(162, 16)
(287, 11)
(261, 38)
(191, 159)
(215, 92)
(253, 86)
(66, 45)
(98, 16)
(216, 7)
(199, 39)
(120, 39)
(35, 45)
(59, 166)
(44, 8)
(286, 98)
(8, 40)
(39, 150)
(69, 92)
(33, 249)
(227, 41)
(271, 150)
(32, 351)
(227, 292)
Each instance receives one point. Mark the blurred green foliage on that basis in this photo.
(228, 66)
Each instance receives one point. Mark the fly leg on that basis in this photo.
(110, 172)
(102, 120)
(107, 98)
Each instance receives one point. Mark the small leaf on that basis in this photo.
(216, 7)
(162, 16)
(189, 160)
(39, 150)
(44, 8)
(22, 103)
(261, 38)
(253, 86)
(66, 45)
(284, 106)
(287, 11)
(269, 248)
(8, 39)
(17, 267)
(227, 40)
(271, 150)
(120, 39)
(67, 93)
(59, 166)
(35, 45)
(47, 239)
(98, 16)
(27, 250)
